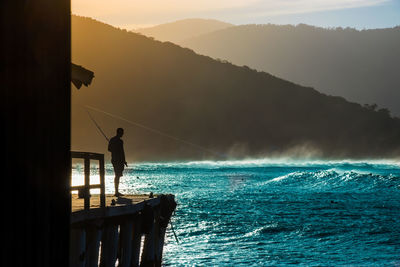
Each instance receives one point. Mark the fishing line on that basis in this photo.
(152, 130)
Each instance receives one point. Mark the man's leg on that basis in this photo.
(116, 184)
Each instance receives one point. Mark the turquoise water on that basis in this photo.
(277, 212)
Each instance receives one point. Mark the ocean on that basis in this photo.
(276, 212)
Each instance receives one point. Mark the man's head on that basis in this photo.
(120, 132)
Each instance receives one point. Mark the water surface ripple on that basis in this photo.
(263, 213)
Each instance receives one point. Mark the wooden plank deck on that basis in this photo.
(125, 205)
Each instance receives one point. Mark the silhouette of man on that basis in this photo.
(116, 147)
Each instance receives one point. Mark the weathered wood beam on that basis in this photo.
(93, 238)
(136, 241)
(77, 247)
(87, 183)
(157, 237)
(98, 213)
(148, 254)
(160, 246)
(126, 236)
(109, 245)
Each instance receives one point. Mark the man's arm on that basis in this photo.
(123, 154)
(110, 145)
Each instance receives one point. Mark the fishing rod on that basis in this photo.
(98, 127)
(154, 131)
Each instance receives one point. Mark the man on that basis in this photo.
(116, 147)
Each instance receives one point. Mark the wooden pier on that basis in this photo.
(116, 231)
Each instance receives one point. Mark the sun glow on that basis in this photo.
(135, 14)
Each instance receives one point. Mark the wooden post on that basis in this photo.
(126, 243)
(157, 256)
(77, 247)
(87, 182)
(93, 237)
(136, 241)
(167, 206)
(109, 246)
(160, 245)
(102, 186)
(148, 255)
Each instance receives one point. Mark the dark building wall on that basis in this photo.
(35, 123)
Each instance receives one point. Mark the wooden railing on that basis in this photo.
(87, 156)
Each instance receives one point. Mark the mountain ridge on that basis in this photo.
(359, 65)
(215, 105)
(180, 30)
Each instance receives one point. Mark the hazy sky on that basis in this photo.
(327, 13)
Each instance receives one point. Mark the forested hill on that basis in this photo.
(215, 106)
(360, 65)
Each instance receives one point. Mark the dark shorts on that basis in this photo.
(118, 168)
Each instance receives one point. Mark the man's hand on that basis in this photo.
(126, 164)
